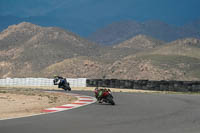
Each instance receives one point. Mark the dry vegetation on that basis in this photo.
(29, 50)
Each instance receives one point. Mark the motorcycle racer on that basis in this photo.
(99, 93)
(61, 82)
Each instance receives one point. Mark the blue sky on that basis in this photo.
(94, 14)
(171, 11)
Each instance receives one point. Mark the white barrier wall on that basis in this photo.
(78, 82)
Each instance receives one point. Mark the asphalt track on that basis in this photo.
(133, 113)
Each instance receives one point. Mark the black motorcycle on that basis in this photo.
(62, 83)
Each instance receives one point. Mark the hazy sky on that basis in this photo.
(171, 11)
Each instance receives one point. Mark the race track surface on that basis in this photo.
(133, 113)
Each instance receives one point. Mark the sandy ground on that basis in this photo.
(15, 102)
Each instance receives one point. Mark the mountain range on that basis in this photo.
(114, 33)
(118, 32)
(86, 17)
(29, 50)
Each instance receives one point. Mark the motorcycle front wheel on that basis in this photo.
(110, 100)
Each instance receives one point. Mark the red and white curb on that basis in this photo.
(82, 101)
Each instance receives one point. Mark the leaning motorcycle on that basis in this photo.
(106, 96)
(62, 83)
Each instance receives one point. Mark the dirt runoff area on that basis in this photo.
(18, 102)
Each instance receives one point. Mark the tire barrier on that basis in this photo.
(163, 85)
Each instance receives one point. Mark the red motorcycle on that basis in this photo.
(104, 95)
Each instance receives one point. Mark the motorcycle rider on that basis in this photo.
(99, 93)
(62, 81)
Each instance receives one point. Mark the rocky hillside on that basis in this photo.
(118, 32)
(163, 62)
(139, 42)
(184, 47)
(178, 60)
(28, 50)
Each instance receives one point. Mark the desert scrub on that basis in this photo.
(2, 91)
(53, 99)
(30, 92)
